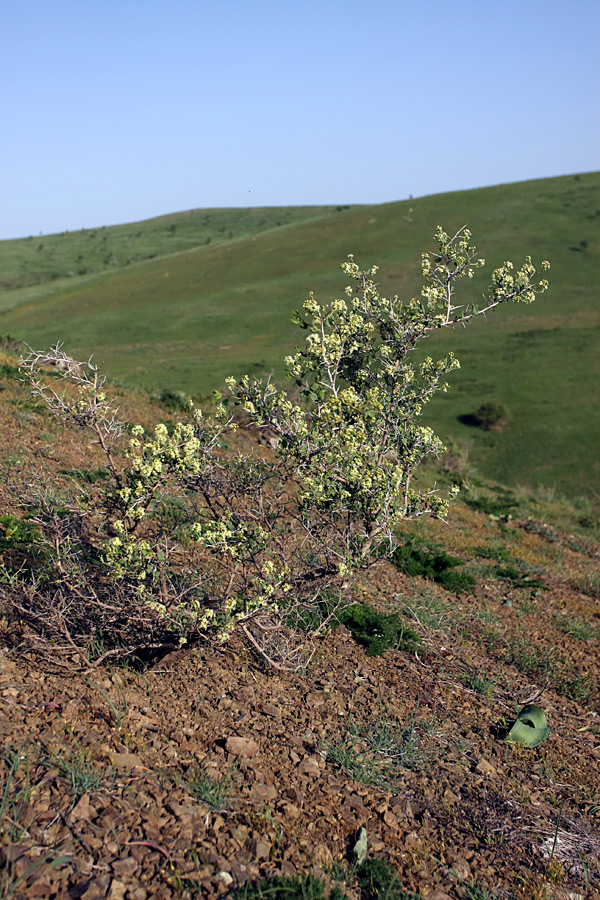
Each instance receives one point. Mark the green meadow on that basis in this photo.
(182, 301)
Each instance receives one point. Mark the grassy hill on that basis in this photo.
(206, 310)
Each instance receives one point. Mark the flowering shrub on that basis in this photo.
(275, 530)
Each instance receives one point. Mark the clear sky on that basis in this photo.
(120, 110)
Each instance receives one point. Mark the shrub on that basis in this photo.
(491, 414)
(272, 533)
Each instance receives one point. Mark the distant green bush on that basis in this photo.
(174, 400)
(491, 414)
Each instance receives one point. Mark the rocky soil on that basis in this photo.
(203, 771)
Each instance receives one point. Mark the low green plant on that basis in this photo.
(529, 658)
(378, 880)
(86, 476)
(501, 503)
(120, 709)
(434, 564)
(481, 684)
(272, 533)
(214, 793)
(177, 401)
(588, 583)
(518, 577)
(299, 887)
(577, 628)
(494, 551)
(9, 372)
(15, 532)
(475, 891)
(372, 752)
(15, 793)
(428, 609)
(76, 768)
(376, 631)
(576, 687)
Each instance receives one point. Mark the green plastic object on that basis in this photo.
(530, 727)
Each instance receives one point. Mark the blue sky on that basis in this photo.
(121, 110)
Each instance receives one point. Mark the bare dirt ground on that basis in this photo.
(203, 771)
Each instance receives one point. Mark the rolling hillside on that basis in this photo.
(198, 310)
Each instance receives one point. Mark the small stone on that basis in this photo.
(309, 766)
(390, 820)
(291, 811)
(117, 890)
(270, 709)
(241, 746)
(97, 888)
(450, 797)
(124, 760)
(83, 810)
(125, 867)
(403, 807)
(140, 893)
(224, 877)
(262, 850)
(240, 872)
(264, 792)
(484, 767)
(322, 856)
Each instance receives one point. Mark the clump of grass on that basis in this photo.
(588, 583)
(15, 794)
(426, 608)
(77, 769)
(86, 476)
(214, 793)
(576, 628)
(576, 687)
(528, 658)
(494, 551)
(376, 631)
(434, 564)
(370, 753)
(502, 505)
(474, 891)
(300, 887)
(359, 765)
(481, 684)
(378, 879)
(518, 578)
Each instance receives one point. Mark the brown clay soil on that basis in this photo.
(205, 771)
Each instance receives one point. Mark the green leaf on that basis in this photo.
(530, 727)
